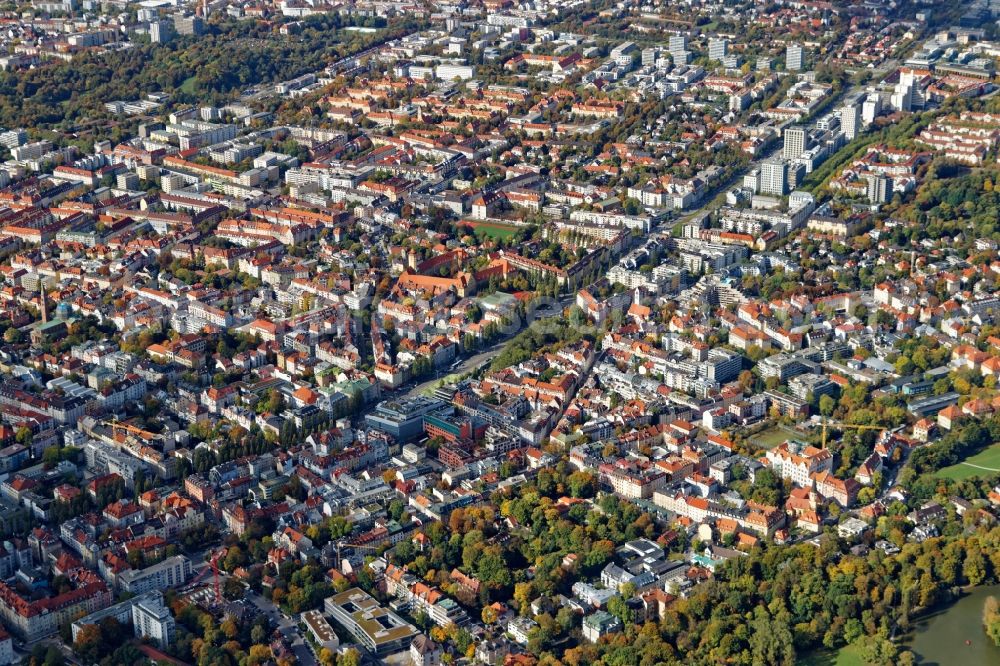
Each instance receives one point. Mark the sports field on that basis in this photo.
(984, 463)
(492, 229)
(770, 438)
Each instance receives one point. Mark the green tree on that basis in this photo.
(88, 645)
(974, 566)
(770, 639)
(991, 618)
(620, 609)
(826, 405)
(349, 657)
(581, 484)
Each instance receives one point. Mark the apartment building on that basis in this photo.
(170, 572)
(799, 463)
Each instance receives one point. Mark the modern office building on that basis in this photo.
(189, 24)
(677, 45)
(850, 120)
(321, 631)
(160, 32)
(774, 177)
(871, 108)
(796, 139)
(718, 49)
(380, 631)
(793, 58)
(402, 419)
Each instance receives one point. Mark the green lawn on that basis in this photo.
(984, 463)
(497, 231)
(773, 436)
(845, 656)
(188, 85)
(447, 379)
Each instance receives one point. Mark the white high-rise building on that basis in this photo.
(878, 188)
(793, 57)
(911, 81)
(152, 619)
(677, 45)
(774, 177)
(795, 142)
(160, 32)
(13, 138)
(718, 49)
(902, 96)
(850, 120)
(871, 108)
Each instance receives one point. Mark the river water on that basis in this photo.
(940, 639)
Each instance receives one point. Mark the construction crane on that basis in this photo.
(151, 447)
(134, 438)
(364, 548)
(132, 430)
(215, 572)
(846, 426)
(213, 562)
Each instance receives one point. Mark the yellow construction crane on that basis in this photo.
(132, 430)
(846, 426)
